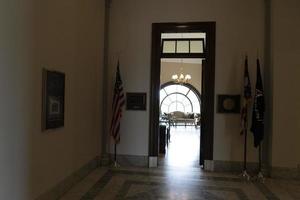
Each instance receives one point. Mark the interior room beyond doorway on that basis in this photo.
(180, 112)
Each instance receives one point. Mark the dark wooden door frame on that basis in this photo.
(208, 86)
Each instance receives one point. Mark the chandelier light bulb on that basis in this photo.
(188, 77)
(175, 77)
(181, 78)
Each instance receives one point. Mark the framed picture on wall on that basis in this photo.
(53, 99)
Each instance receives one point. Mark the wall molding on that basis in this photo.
(105, 107)
(232, 166)
(130, 160)
(285, 173)
(66, 184)
(252, 167)
(268, 85)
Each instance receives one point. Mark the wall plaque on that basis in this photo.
(136, 101)
(229, 103)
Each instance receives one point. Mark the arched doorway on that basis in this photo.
(179, 97)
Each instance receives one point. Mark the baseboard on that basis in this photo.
(252, 167)
(285, 173)
(105, 160)
(65, 185)
(208, 165)
(232, 166)
(131, 160)
(153, 161)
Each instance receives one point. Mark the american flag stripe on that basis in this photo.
(117, 113)
(116, 122)
(117, 137)
(116, 119)
(117, 105)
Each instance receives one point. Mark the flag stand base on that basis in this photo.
(116, 165)
(245, 175)
(259, 177)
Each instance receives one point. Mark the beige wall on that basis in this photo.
(16, 68)
(286, 81)
(61, 35)
(169, 68)
(239, 29)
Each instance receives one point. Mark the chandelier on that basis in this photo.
(181, 78)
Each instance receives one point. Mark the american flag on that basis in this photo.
(118, 103)
(246, 98)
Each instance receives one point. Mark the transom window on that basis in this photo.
(177, 97)
(183, 47)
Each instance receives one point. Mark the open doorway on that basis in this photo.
(207, 86)
(180, 110)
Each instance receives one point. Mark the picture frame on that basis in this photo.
(53, 105)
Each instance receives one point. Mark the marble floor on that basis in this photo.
(176, 184)
(178, 177)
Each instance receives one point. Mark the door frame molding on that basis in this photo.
(208, 84)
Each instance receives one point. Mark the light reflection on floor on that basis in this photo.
(183, 150)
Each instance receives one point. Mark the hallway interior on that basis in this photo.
(86, 41)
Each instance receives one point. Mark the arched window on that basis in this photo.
(179, 97)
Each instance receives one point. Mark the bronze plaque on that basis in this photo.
(229, 103)
(136, 101)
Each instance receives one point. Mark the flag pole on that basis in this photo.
(245, 174)
(245, 140)
(260, 176)
(258, 120)
(245, 149)
(115, 159)
(259, 157)
(115, 164)
(244, 117)
(118, 103)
